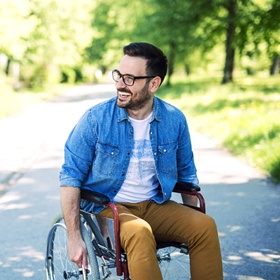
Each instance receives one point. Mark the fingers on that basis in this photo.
(78, 253)
(84, 261)
(81, 260)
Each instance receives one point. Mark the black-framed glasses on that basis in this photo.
(127, 78)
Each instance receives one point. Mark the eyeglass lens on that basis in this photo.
(128, 80)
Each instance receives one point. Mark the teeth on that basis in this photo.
(124, 94)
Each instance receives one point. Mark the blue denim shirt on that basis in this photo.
(97, 151)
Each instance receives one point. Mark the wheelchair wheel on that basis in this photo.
(174, 263)
(106, 258)
(57, 263)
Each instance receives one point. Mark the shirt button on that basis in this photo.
(164, 151)
(151, 132)
(155, 154)
(112, 153)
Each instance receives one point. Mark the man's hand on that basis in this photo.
(190, 200)
(77, 252)
(70, 203)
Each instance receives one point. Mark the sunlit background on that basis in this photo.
(224, 74)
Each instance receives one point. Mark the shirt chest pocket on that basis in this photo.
(167, 159)
(106, 157)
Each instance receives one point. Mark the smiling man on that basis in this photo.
(137, 99)
(134, 148)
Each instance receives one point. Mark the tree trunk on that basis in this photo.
(275, 66)
(8, 65)
(187, 69)
(230, 50)
(171, 61)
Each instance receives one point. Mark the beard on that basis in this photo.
(138, 102)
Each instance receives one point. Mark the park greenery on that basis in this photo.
(64, 41)
(242, 117)
(224, 60)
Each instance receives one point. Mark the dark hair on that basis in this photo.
(156, 59)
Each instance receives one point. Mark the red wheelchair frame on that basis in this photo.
(97, 198)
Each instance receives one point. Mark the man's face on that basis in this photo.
(136, 96)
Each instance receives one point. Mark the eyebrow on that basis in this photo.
(127, 74)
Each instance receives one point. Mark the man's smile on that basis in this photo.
(123, 95)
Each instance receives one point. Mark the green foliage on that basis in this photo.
(243, 117)
(47, 36)
(111, 24)
(187, 31)
(12, 102)
(43, 36)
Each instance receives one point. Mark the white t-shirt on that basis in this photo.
(141, 181)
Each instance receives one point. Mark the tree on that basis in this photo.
(250, 24)
(113, 23)
(185, 29)
(176, 26)
(58, 39)
(15, 25)
(105, 26)
(44, 36)
(229, 44)
(271, 28)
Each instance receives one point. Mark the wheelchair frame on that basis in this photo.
(96, 242)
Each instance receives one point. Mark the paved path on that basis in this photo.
(244, 205)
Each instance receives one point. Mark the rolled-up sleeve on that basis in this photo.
(78, 153)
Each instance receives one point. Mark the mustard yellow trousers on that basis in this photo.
(144, 223)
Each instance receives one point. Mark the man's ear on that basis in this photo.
(154, 84)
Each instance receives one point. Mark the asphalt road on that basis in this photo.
(245, 206)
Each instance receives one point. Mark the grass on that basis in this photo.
(13, 102)
(244, 117)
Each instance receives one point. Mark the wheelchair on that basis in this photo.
(106, 258)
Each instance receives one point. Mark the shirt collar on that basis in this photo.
(122, 113)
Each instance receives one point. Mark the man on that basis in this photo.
(134, 148)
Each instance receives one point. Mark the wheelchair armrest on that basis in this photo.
(94, 197)
(188, 187)
(193, 190)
